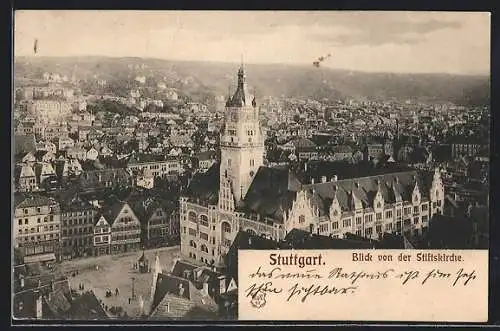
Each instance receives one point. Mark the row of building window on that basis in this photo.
(192, 217)
(40, 238)
(77, 213)
(70, 231)
(78, 221)
(126, 228)
(103, 239)
(38, 210)
(125, 237)
(38, 229)
(78, 242)
(38, 220)
(347, 223)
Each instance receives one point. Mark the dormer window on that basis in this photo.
(379, 205)
(302, 219)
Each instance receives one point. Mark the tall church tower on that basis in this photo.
(242, 145)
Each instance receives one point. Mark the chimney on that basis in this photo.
(334, 178)
(181, 290)
(205, 288)
(323, 179)
(222, 285)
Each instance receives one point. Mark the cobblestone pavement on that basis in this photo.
(112, 272)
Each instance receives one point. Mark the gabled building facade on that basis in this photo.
(102, 236)
(125, 227)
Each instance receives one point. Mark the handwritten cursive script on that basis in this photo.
(276, 273)
(305, 291)
(255, 289)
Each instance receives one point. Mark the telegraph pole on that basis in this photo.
(133, 292)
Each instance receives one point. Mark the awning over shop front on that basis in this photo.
(40, 258)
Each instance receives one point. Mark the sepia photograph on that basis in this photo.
(150, 148)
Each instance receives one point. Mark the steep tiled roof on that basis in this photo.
(304, 144)
(35, 201)
(271, 193)
(144, 206)
(299, 239)
(245, 240)
(24, 143)
(170, 284)
(111, 212)
(90, 179)
(205, 186)
(391, 185)
(144, 158)
(86, 307)
(180, 267)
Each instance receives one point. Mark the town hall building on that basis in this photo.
(240, 193)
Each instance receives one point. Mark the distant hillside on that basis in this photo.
(274, 79)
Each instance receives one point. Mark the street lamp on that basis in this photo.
(133, 293)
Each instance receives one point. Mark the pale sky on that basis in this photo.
(450, 42)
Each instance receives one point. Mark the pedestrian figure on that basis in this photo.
(129, 301)
(116, 292)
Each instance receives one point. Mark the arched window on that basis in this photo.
(335, 212)
(379, 205)
(194, 256)
(302, 219)
(226, 227)
(437, 194)
(204, 248)
(192, 244)
(192, 216)
(204, 220)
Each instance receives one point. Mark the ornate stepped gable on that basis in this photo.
(274, 191)
(357, 193)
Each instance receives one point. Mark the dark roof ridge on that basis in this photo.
(359, 178)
